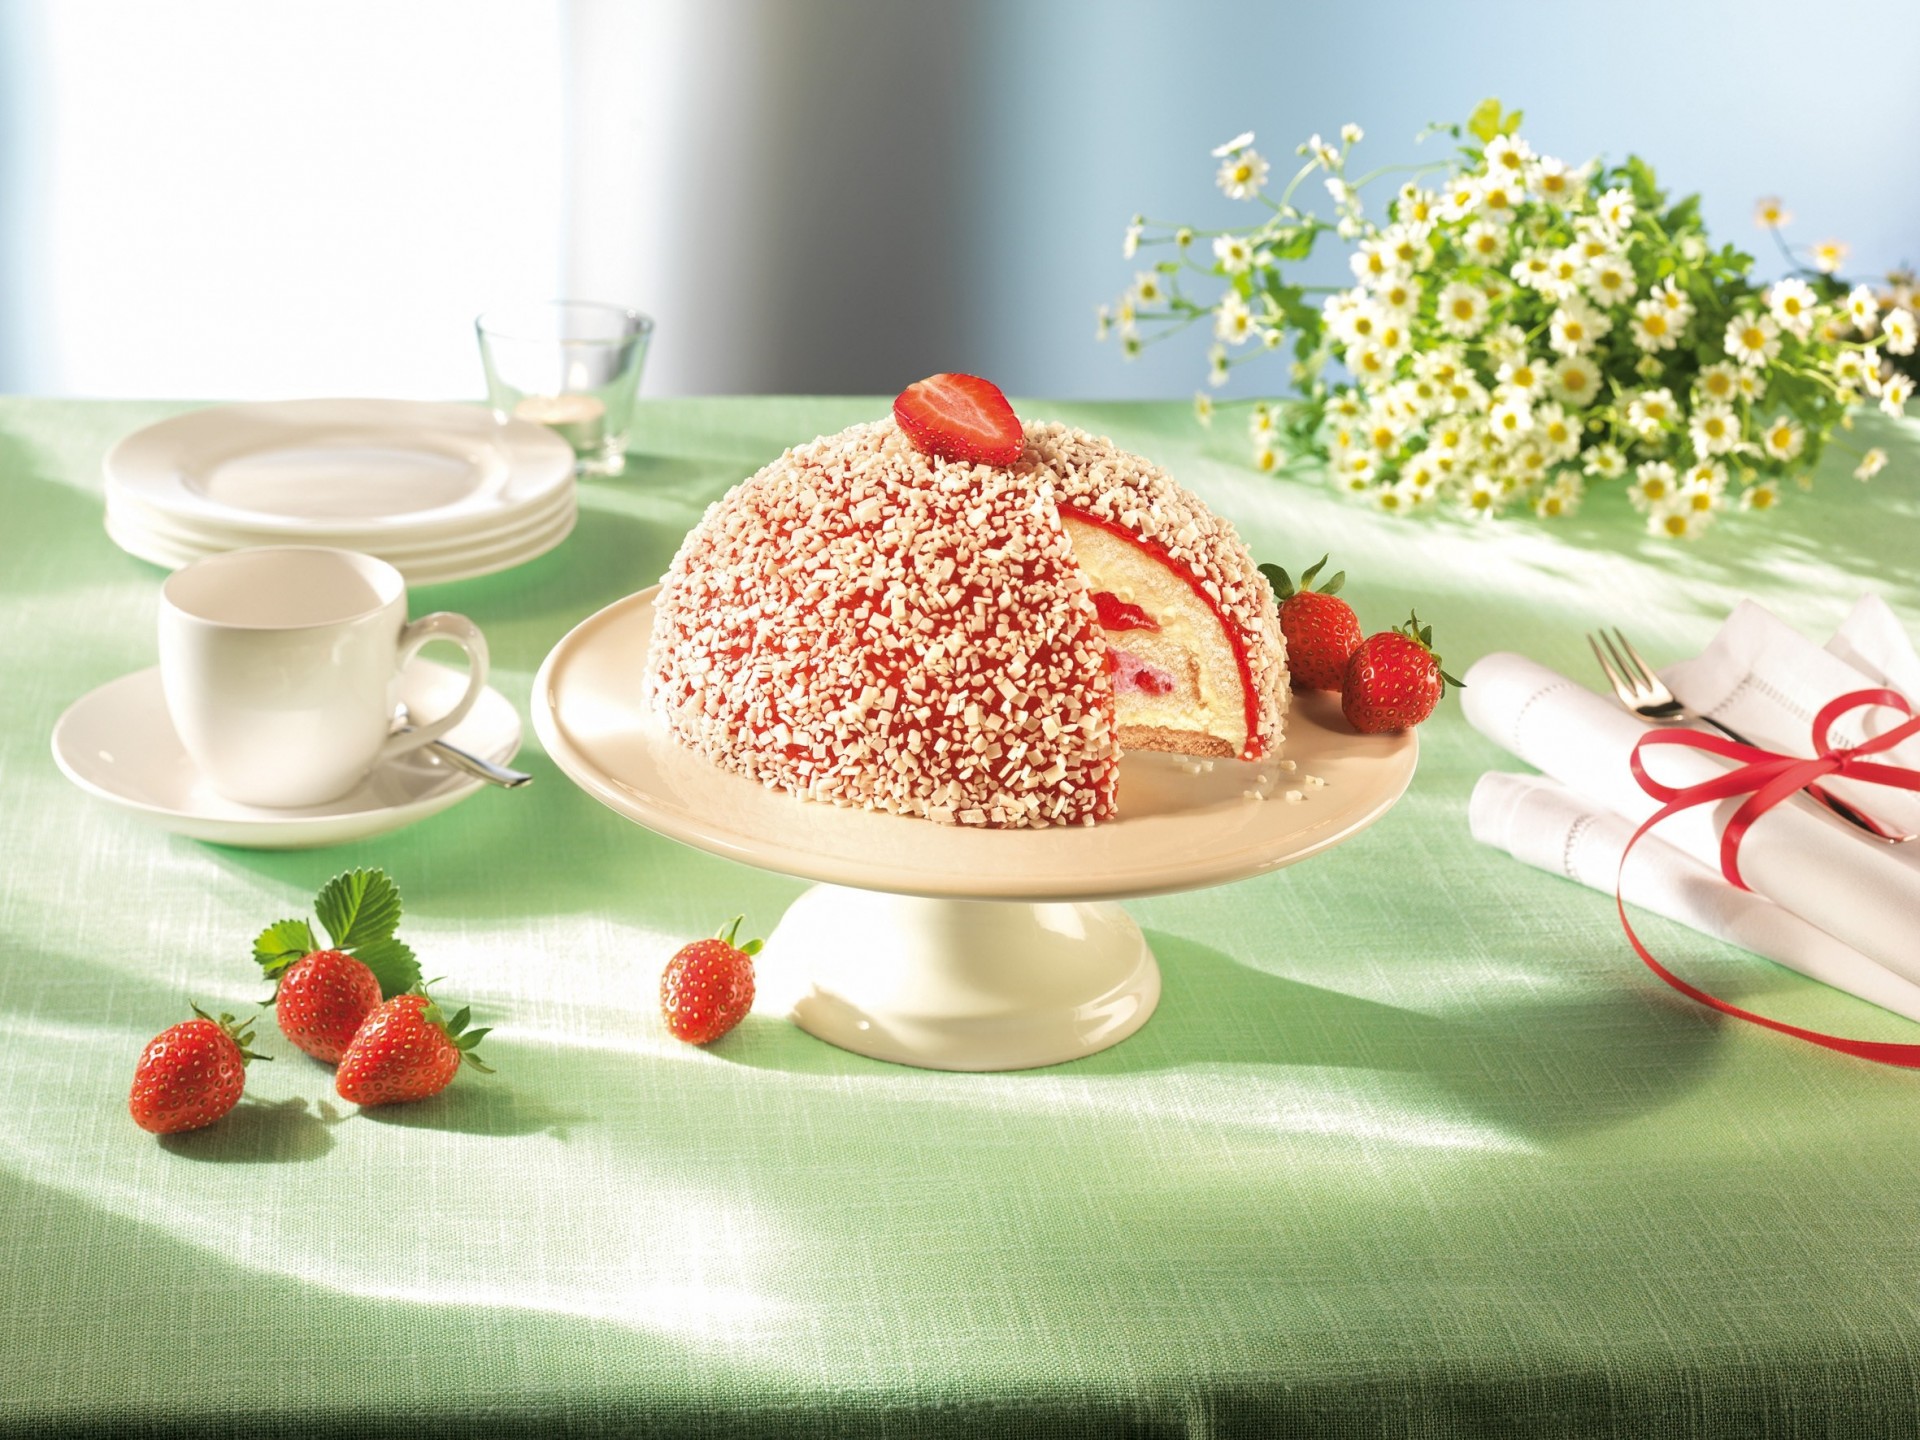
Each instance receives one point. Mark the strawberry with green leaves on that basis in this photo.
(407, 1049)
(1321, 629)
(322, 995)
(1394, 680)
(191, 1074)
(707, 987)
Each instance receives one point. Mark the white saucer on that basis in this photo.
(352, 473)
(117, 743)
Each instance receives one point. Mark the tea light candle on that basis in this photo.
(580, 420)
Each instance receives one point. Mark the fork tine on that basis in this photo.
(1620, 686)
(1643, 670)
(1631, 676)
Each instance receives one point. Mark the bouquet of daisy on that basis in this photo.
(1518, 329)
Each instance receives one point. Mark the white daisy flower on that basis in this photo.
(1203, 407)
(1522, 376)
(1462, 310)
(1485, 242)
(1605, 462)
(1534, 269)
(1871, 464)
(1130, 245)
(1652, 327)
(1370, 365)
(1705, 474)
(1556, 502)
(1233, 146)
(1511, 418)
(1566, 269)
(1102, 322)
(1407, 243)
(1853, 369)
(1261, 423)
(1352, 134)
(1863, 309)
(1554, 183)
(1791, 301)
(1232, 320)
(1753, 340)
(1345, 405)
(1398, 296)
(1507, 155)
(1373, 261)
(1714, 429)
(1499, 195)
(1718, 383)
(1829, 255)
(1504, 343)
(1651, 411)
(1149, 288)
(1556, 432)
(1751, 384)
(1770, 212)
(1653, 485)
(1576, 381)
(1895, 391)
(1392, 499)
(1609, 279)
(1460, 199)
(1418, 206)
(1763, 496)
(1183, 238)
(1576, 326)
(1483, 496)
(1242, 174)
(1783, 439)
(1233, 253)
(1217, 366)
(1394, 337)
(1675, 300)
(1616, 209)
(1323, 153)
(1266, 458)
(1899, 332)
(1677, 521)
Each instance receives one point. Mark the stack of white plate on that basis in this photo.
(442, 492)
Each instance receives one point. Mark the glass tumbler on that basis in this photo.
(573, 366)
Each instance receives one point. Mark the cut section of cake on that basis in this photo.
(866, 623)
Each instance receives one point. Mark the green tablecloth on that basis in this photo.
(1413, 1146)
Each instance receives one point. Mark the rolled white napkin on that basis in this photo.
(1766, 680)
(1862, 892)
(1545, 824)
(1872, 640)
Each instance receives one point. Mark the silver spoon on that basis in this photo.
(460, 760)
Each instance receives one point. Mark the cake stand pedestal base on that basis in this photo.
(959, 984)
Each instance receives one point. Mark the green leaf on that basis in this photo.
(1512, 123)
(358, 908)
(392, 963)
(1281, 582)
(282, 943)
(1484, 122)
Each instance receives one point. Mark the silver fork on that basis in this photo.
(1644, 693)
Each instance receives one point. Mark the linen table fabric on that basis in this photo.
(1413, 1146)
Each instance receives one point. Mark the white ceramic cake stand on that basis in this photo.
(961, 948)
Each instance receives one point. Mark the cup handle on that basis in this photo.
(441, 625)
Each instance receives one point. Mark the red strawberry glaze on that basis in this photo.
(1236, 637)
(1118, 614)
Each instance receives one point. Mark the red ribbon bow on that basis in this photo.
(1766, 779)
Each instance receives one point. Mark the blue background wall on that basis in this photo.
(901, 187)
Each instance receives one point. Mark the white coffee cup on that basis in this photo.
(280, 666)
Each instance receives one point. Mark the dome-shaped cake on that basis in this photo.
(863, 623)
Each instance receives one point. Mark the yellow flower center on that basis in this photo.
(1464, 309)
(1760, 499)
(1242, 172)
(1675, 524)
(1753, 337)
(1656, 323)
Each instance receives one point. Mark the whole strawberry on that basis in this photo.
(407, 1050)
(322, 995)
(1321, 629)
(1394, 680)
(192, 1074)
(707, 987)
(322, 1001)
